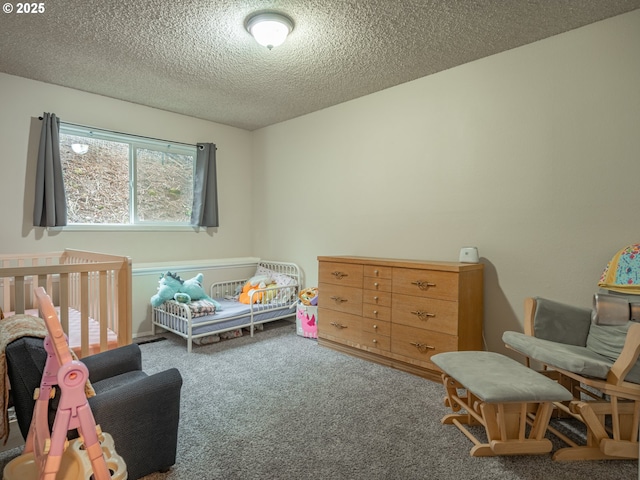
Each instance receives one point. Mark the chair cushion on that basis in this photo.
(118, 380)
(562, 323)
(608, 341)
(572, 358)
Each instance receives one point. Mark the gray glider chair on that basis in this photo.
(141, 412)
(580, 348)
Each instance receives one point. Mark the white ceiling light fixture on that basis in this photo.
(80, 148)
(269, 29)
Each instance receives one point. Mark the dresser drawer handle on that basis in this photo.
(338, 299)
(423, 285)
(339, 275)
(338, 325)
(423, 315)
(423, 347)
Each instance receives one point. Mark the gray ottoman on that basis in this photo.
(499, 393)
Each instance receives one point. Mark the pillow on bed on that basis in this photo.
(200, 308)
(282, 280)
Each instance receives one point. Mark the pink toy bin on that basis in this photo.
(307, 321)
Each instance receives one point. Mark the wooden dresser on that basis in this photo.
(399, 312)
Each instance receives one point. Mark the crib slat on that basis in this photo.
(6, 290)
(102, 317)
(37, 281)
(19, 294)
(84, 314)
(122, 292)
(64, 301)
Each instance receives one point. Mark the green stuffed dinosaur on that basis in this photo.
(171, 286)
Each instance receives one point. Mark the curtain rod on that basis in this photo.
(129, 134)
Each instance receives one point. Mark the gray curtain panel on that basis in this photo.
(50, 208)
(205, 190)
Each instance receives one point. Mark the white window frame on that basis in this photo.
(135, 142)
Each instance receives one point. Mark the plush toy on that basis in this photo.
(309, 296)
(182, 298)
(255, 283)
(169, 285)
(193, 288)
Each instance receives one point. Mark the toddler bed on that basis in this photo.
(268, 301)
(91, 291)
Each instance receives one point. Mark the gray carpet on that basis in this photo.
(278, 406)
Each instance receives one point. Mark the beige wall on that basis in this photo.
(22, 101)
(530, 155)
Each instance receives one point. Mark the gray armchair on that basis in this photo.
(140, 411)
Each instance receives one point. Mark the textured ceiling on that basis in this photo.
(195, 57)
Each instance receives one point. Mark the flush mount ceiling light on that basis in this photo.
(269, 29)
(80, 148)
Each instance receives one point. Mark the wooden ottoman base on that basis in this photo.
(504, 397)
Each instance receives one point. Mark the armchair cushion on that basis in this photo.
(573, 358)
(117, 381)
(562, 323)
(608, 341)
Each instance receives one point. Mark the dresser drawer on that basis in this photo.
(377, 284)
(374, 340)
(343, 274)
(376, 326)
(342, 299)
(339, 326)
(376, 312)
(420, 344)
(429, 313)
(372, 297)
(377, 271)
(425, 283)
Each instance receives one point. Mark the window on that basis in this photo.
(114, 178)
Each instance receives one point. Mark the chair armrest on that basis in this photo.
(628, 357)
(138, 396)
(113, 362)
(557, 322)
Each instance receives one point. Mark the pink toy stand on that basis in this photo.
(48, 455)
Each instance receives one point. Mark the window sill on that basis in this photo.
(127, 228)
